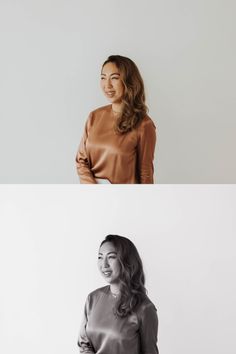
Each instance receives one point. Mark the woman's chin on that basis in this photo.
(113, 100)
(109, 280)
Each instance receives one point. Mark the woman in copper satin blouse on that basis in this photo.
(119, 139)
(119, 318)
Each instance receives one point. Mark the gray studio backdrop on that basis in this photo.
(49, 239)
(51, 55)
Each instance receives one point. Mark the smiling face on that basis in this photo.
(108, 263)
(111, 83)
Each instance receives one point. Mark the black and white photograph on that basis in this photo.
(63, 289)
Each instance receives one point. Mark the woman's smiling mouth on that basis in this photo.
(110, 94)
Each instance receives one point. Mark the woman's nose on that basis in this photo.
(105, 263)
(109, 84)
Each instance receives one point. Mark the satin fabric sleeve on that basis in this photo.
(82, 161)
(145, 152)
(148, 330)
(83, 340)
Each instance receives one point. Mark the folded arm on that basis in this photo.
(83, 341)
(82, 160)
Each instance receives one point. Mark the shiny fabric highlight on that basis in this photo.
(104, 333)
(120, 158)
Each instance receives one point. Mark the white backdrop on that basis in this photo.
(51, 56)
(49, 241)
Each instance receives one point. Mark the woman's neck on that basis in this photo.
(117, 107)
(115, 289)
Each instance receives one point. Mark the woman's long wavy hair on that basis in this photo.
(134, 107)
(132, 279)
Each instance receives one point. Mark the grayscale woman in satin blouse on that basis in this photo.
(119, 318)
(119, 139)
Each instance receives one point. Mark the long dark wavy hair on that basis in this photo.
(132, 279)
(134, 107)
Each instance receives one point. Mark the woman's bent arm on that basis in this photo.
(82, 161)
(83, 341)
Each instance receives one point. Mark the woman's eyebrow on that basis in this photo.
(111, 74)
(107, 253)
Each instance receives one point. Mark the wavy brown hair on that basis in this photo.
(134, 107)
(131, 277)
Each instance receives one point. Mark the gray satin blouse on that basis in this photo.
(104, 333)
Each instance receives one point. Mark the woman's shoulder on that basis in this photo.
(101, 109)
(146, 306)
(146, 123)
(97, 293)
(94, 114)
(147, 315)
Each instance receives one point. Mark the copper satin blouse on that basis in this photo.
(104, 333)
(120, 158)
